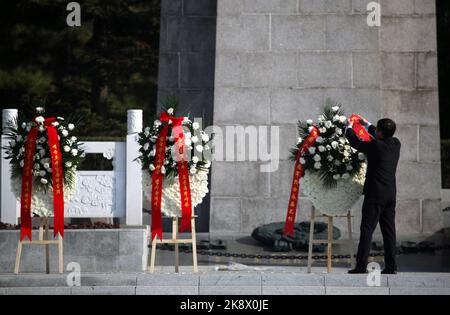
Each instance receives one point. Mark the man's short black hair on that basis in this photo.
(387, 127)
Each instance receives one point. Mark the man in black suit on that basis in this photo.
(383, 153)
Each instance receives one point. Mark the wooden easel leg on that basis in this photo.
(311, 238)
(330, 242)
(153, 255)
(47, 247)
(194, 245)
(350, 240)
(18, 254)
(174, 238)
(60, 254)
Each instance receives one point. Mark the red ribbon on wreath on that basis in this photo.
(360, 131)
(183, 175)
(57, 180)
(295, 188)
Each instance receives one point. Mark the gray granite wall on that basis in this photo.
(186, 65)
(278, 60)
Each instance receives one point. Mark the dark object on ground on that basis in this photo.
(272, 235)
(7, 226)
(388, 272)
(357, 271)
(378, 246)
(409, 247)
(202, 245)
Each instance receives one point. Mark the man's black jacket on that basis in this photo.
(382, 158)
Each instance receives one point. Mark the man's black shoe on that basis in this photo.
(388, 272)
(357, 271)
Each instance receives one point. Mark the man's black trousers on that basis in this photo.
(375, 211)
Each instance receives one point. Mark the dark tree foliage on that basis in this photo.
(98, 70)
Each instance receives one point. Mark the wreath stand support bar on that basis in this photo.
(176, 242)
(43, 239)
(329, 241)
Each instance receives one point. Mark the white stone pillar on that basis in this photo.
(133, 169)
(9, 204)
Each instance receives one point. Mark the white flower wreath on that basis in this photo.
(71, 152)
(196, 141)
(334, 172)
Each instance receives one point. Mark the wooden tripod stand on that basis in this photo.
(176, 242)
(43, 239)
(329, 241)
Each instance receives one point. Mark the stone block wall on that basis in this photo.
(186, 65)
(278, 60)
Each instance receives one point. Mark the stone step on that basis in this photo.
(210, 283)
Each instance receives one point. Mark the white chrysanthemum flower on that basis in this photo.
(193, 170)
(335, 108)
(41, 128)
(321, 119)
(317, 165)
(199, 148)
(146, 146)
(70, 127)
(334, 144)
(163, 170)
(195, 159)
(152, 152)
(322, 129)
(335, 117)
(24, 125)
(346, 176)
(207, 164)
(19, 138)
(328, 124)
(195, 125)
(74, 152)
(338, 131)
(187, 141)
(66, 148)
(317, 158)
(152, 167)
(205, 137)
(302, 161)
(320, 139)
(330, 158)
(21, 163)
(157, 123)
(309, 121)
(73, 139)
(321, 148)
(188, 135)
(194, 139)
(39, 119)
(55, 123)
(361, 156)
(170, 111)
(349, 167)
(299, 140)
(342, 119)
(28, 128)
(44, 181)
(336, 176)
(310, 128)
(68, 164)
(42, 173)
(312, 150)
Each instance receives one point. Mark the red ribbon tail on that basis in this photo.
(57, 177)
(25, 231)
(156, 225)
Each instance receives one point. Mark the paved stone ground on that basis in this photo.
(264, 280)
